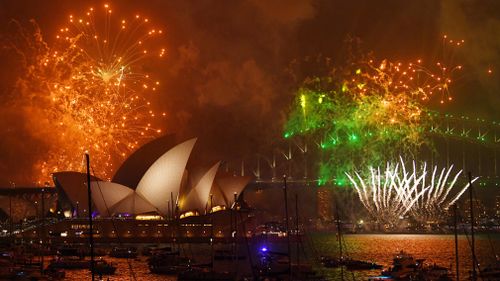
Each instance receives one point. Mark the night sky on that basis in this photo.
(225, 78)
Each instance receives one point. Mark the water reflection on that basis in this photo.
(380, 248)
(439, 249)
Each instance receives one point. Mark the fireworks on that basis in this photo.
(433, 204)
(88, 91)
(368, 112)
(397, 191)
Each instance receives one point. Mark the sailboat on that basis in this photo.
(101, 267)
(279, 266)
(349, 263)
(167, 261)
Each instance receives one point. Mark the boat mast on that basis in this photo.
(173, 221)
(211, 230)
(339, 233)
(286, 228)
(474, 274)
(91, 238)
(456, 240)
(297, 237)
(42, 240)
(11, 221)
(234, 231)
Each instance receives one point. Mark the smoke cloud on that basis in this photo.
(479, 25)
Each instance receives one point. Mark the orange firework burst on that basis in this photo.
(92, 89)
(403, 86)
(416, 79)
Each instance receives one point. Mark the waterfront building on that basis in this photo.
(166, 188)
(168, 198)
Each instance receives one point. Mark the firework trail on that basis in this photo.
(88, 91)
(389, 196)
(396, 192)
(433, 205)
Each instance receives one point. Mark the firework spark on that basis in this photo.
(391, 195)
(432, 206)
(368, 112)
(91, 89)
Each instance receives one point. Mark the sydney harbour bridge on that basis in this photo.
(469, 144)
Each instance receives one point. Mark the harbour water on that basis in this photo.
(379, 248)
(439, 249)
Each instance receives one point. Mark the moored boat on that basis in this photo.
(203, 274)
(70, 262)
(168, 264)
(329, 262)
(227, 255)
(435, 273)
(54, 273)
(124, 252)
(350, 264)
(102, 267)
(491, 272)
(405, 267)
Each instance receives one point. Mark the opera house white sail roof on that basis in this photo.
(199, 196)
(108, 194)
(165, 176)
(230, 185)
(135, 166)
(164, 181)
(74, 185)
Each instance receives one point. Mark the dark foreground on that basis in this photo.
(380, 248)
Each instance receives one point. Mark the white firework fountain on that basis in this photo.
(390, 195)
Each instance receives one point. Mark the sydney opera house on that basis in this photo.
(158, 192)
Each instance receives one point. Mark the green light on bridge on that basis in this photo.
(321, 181)
(340, 182)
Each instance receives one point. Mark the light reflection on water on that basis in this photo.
(123, 271)
(439, 249)
(379, 248)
